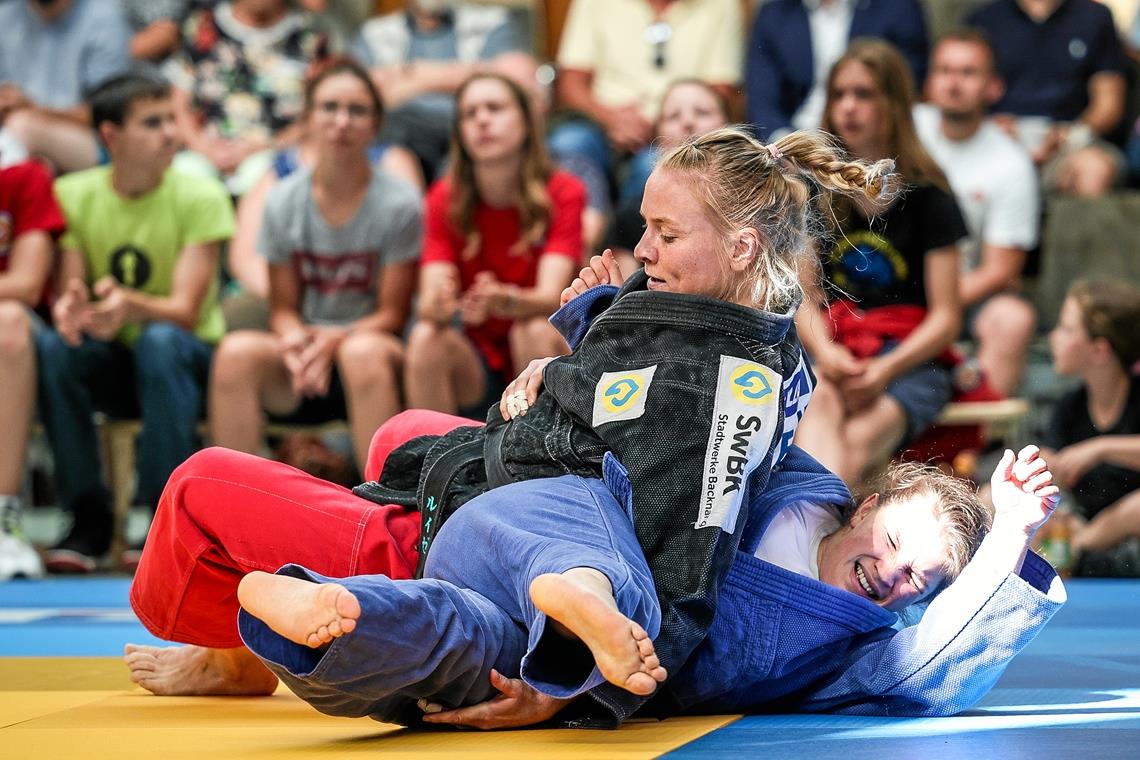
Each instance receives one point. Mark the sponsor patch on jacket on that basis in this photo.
(745, 422)
(621, 395)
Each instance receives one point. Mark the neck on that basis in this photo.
(1039, 10)
(134, 181)
(1108, 386)
(342, 173)
(497, 181)
(259, 19)
(959, 127)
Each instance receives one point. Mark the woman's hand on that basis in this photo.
(439, 298)
(836, 363)
(523, 390)
(603, 270)
(1023, 492)
(517, 704)
(863, 389)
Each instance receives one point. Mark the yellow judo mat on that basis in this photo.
(87, 707)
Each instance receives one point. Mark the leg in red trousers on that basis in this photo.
(224, 514)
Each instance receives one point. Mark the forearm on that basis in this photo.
(1121, 450)
(385, 320)
(142, 307)
(1106, 103)
(80, 115)
(524, 303)
(285, 321)
(983, 282)
(930, 338)
(574, 92)
(156, 41)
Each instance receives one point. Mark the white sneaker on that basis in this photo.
(18, 558)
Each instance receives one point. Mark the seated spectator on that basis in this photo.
(341, 239)
(877, 345)
(794, 44)
(249, 268)
(238, 81)
(503, 239)
(689, 108)
(995, 184)
(1094, 434)
(421, 55)
(1063, 67)
(30, 221)
(143, 240)
(616, 61)
(52, 53)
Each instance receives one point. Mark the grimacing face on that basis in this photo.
(892, 553)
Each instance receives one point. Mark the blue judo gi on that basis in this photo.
(779, 641)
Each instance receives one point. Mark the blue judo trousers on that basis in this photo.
(439, 637)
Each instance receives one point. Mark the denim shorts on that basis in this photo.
(922, 393)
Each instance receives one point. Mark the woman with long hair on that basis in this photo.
(503, 237)
(341, 239)
(892, 275)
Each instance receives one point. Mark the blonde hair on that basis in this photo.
(965, 520)
(534, 202)
(784, 191)
(895, 90)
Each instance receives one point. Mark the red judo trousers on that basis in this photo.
(224, 514)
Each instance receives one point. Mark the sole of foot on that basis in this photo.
(311, 614)
(622, 649)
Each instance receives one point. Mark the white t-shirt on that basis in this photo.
(830, 26)
(793, 537)
(993, 180)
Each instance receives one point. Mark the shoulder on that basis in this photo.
(564, 187)
(1005, 155)
(438, 194)
(384, 27)
(100, 10)
(991, 13)
(395, 191)
(28, 175)
(193, 187)
(471, 17)
(80, 184)
(290, 191)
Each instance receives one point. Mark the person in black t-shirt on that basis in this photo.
(892, 279)
(1095, 429)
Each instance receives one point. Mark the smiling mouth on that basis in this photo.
(864, 583)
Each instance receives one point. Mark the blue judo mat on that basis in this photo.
(1073, 693)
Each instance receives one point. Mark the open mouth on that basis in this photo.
(865, 584)
(655, 282)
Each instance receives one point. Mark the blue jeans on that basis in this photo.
(162, 380)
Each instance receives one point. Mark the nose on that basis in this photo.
(643, 252)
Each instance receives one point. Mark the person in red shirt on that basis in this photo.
(503, 237)
(30, 220)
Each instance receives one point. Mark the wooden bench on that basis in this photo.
(999, 418)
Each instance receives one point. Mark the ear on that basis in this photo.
(1102, 351)
(994, 89)
(107, 130)
(746, 248)
(865, 508)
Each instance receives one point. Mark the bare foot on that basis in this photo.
(306, 613)
(192, 671)
(582, 600)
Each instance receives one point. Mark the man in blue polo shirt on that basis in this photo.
(1063, 66)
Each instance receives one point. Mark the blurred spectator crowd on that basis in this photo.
(214, 214)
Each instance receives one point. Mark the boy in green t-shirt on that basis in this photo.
(137, 315)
